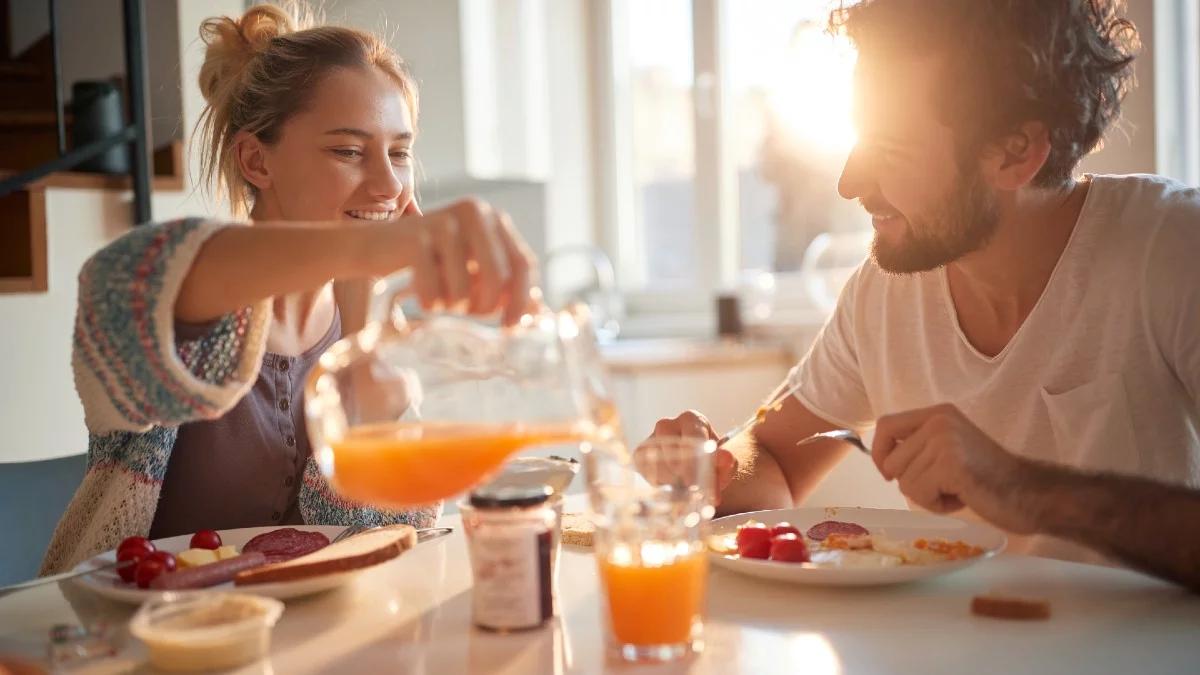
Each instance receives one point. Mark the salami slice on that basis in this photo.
(211, 574)
(820, 531)
(286, 543)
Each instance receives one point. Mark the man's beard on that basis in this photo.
(963, 223)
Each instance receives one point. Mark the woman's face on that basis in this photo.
(346, 156)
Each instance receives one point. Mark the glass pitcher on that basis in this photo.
(419, 407)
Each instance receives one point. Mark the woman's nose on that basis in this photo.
(383, 180)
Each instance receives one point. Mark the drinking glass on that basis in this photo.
(652, 510)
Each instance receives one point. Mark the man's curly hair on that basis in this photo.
(1065, 63)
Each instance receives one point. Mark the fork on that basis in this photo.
(846, 435)
(758, 414)
(423, 534)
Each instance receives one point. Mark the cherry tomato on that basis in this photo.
(168, 560)
(147, 570)
(784, 528)
(140, 544)
(133, 556)
(789, 548)
(759, 550)
(752, 532)
(206, 539)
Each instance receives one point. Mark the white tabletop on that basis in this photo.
(412, 615)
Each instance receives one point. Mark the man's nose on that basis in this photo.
(856, 179)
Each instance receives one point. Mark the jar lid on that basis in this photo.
(510, 497)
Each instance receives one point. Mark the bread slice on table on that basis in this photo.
(1010, 607)
(361, 550)
(578, 530)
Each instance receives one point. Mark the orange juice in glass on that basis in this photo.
(676, 579)
(652, 509)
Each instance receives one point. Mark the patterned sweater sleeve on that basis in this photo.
(130, 371)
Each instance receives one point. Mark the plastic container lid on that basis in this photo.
(205, 630)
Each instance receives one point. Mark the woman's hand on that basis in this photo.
(466, 256)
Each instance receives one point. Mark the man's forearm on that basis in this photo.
(758, 484)
(1147, 525)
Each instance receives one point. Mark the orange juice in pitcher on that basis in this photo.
(403, 465)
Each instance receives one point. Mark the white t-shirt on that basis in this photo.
(1103, 375)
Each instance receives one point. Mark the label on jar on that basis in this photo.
(511, 567)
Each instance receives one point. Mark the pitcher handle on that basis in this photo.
(386, 295)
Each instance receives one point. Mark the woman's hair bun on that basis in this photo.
(231, 44)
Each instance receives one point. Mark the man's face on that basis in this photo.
(927, 210)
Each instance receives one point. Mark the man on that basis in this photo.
(1026, 343)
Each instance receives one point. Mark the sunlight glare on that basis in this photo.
(811, 92)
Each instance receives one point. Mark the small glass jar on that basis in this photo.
(512, 534)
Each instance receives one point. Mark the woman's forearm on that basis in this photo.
(240, 266)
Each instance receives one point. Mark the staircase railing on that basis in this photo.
(136, 134)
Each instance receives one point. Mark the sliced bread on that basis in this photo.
(578, 530)
(362, 550)
(1009, 607)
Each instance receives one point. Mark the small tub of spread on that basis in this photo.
(205, 631)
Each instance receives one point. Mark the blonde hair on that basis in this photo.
(259, 70)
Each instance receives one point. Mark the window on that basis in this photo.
(726, 129)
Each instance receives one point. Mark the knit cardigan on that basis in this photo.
(138, 384)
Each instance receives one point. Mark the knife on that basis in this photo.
(431, 533)
(423, 535)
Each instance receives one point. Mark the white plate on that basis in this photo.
(894, 524)
(109, 584)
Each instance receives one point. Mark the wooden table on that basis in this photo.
(412, 615)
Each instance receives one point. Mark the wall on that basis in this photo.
(1131, 147)
(91, 46)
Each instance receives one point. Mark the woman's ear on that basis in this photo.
(251, 157)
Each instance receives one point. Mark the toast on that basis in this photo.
(577, 530)
(357, 552)
(1007, 607)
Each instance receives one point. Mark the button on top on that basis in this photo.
(284, 404)
(284, 365)
(290, 441)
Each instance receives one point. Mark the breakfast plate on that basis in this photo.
(894, 531)
(107, 583)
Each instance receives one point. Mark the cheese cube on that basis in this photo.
(226, 552)
(194, 557)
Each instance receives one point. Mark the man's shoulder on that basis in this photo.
(1146, 201)
(1160, 218)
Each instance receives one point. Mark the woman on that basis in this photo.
(193, 338)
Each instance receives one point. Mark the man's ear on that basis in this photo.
(251, 157)
(1013, 161)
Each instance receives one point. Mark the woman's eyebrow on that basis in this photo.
(366, 135)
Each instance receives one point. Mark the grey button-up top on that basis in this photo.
(244, 469)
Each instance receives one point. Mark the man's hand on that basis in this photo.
(944, 462)
(691, 424)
